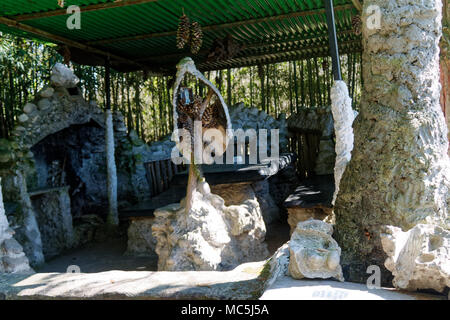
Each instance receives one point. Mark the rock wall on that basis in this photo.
(243, 117)
(54, 218)
(12, 257)
(399, 173)
(58, 116)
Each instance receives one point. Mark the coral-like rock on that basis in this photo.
(63, 76)
(12, 258)
(313, 252)
(418, 258)
(211, 236)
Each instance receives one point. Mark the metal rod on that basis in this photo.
(334, 51)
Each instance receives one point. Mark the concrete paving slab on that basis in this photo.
(244, 282)
(287, 288)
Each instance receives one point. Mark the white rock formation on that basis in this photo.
(418, 258)
(62, 76)
(343, 115)
(211, 236)
(313, 252)
(12, 258)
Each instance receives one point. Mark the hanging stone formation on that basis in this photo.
(201, 232)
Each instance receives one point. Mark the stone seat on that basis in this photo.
(311, 199)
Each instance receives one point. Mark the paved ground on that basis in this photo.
(286, 288)
(99, 257)
(244, 282)
(100, 279)
(108, 256)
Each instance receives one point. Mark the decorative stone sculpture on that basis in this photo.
(313, 252)
(201, 232)
(211, 236)
(12, 258)
(418, 258)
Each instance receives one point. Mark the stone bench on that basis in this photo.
(311, 199)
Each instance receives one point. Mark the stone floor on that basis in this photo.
(100, 257)
(108, 274)
(107, 256)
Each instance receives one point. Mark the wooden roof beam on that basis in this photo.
(58, 39)
(221, 26)
(249, 46)
(88, 8)
(295, 55)
(288, 51)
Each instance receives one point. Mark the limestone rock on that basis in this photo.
(313, 252)
(53, 215)
(47, 92)
(399, 173)
(44, 104)
(29, 108)
(23, 118)
(418, 258)
(343, 115)
(211, 236)
(12, 258)
(141, 241)
(63, 76)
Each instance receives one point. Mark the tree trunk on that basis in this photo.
(399, 173)
(261, 77)
(229, 87)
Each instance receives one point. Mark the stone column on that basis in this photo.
(399, 173)
(113, 216)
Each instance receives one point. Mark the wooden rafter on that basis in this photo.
(287, 51)
(88, 8)
(268, 59)
(256, 45)
(221, 26)
(58, 39)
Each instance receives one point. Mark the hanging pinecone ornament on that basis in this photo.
(183, 31)
(356, 24)
(211, 116)
(196, 37)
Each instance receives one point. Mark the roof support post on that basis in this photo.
(334, 51)
(111, 181)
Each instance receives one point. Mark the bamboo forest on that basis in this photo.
(144, 99)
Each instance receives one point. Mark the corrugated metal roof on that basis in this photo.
(144, 31)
